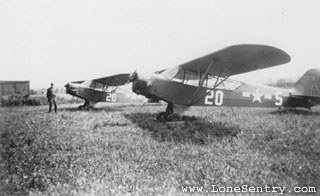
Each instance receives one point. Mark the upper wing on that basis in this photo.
(115, 80)
(238, 59)
(161, 71)
(78, 82)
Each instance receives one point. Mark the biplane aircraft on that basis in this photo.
(205, 82)
(106, 89)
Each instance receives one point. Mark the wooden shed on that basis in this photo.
(14, 88)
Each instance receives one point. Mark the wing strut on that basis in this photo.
(213, 62)
(201, 81)
(206, 73)
(104, 90)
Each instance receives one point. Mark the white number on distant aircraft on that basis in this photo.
(111, 97)
(218, 98)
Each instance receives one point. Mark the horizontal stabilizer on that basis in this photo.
(313, 100)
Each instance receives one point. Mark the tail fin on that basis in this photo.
(309, 83)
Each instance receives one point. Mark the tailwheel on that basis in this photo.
(280, 108)
(162, 116)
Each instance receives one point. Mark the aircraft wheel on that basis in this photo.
(162, 116)
(89, 108)
(80, 107)
(174, 117)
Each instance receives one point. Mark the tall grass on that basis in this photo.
(122, 150)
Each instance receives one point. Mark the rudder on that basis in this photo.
(309, 83)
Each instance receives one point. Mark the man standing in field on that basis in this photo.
(51, 98)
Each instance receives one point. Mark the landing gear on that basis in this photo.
(169, 109)
(168, 115)
(162, 116)
(84, 106)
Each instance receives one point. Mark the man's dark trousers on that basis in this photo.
(52, 101)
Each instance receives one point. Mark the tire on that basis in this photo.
(162, 116)
(174, 117)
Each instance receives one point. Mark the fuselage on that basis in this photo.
(228, 93)
(91, 94)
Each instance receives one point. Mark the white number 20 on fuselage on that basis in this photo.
(214, 97)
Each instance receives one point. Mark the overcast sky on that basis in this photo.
(64, 40)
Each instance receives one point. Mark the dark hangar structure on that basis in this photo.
(14, 88)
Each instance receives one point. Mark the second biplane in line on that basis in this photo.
(113, 89)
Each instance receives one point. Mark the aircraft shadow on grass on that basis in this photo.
(106, 109)
(192, 130)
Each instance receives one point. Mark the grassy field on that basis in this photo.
(122, 150)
